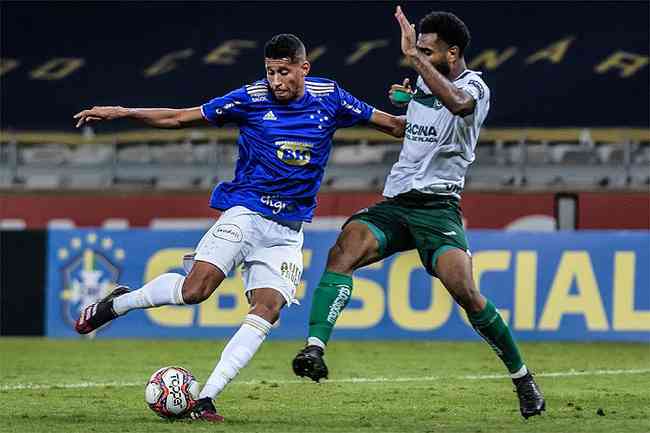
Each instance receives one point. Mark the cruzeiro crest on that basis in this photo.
(89, 272)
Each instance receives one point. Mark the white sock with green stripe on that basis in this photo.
(237, 353)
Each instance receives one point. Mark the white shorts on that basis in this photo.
(270, 253)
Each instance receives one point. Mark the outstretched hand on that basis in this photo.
(408, 33)
(400, 94)
(98, 113)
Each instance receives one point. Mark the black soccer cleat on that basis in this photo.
(531, 400)
(204, 410)
(309, 362)
(98, 314)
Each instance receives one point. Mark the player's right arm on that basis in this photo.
(172, 118)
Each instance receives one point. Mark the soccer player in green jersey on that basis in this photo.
(421, 210)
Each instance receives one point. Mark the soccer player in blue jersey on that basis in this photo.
(286, 124)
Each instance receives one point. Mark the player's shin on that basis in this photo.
(237, 353)
(330, 298)
(165, 289)
(490, 325)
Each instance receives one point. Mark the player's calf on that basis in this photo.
(98, 314)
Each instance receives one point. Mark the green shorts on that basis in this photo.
(430, 223)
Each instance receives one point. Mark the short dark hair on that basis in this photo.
(285, 45)
(449, 28)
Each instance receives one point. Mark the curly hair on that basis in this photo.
(449, 28)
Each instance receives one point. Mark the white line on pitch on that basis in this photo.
(31, 386)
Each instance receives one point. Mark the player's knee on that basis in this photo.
(348, 252)
(267, 309)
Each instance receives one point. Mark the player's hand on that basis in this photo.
(408, 33)
(400, 94)
(98, 113)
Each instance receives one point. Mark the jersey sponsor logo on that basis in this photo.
(351, 107)
(269, 116)
(277, 205)
(477, 86)
(228, 232)
(294, 152)
(422, 133)
(89, 271)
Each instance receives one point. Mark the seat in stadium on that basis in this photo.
(352, 183)
(44, 154)
(175, 182)
(96, 154)
(87, 180)
(139, 154)
(42, 181)
(172, 153)
(572, 154)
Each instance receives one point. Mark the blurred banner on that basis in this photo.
(521, 211)
(556, 286)
(547, 64)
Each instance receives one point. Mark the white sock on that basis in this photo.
(165, 289)
(519, 373)
(237, 353)
(315, 341)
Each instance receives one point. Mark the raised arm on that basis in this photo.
(171, 118)
(392, 125)
(456, 100)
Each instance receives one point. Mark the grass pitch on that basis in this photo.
(98, 386)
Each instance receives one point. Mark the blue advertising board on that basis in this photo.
(583, 286)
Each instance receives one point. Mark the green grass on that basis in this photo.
(267, 398)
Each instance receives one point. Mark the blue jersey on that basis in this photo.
(283, 147)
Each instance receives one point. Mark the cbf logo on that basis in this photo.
(90, 271)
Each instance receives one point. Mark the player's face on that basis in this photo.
(286, 78)
(440, 54)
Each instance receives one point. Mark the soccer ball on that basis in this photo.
(171, 392)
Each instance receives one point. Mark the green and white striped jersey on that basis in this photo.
(438, 145)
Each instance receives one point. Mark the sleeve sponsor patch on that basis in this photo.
(478, 86)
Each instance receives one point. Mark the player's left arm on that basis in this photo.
(456, 100)
(384, 122)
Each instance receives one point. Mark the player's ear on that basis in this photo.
(453, 54)
(305, 67)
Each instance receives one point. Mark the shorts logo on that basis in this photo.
(291, 272)
(90, 271)
(228, 232)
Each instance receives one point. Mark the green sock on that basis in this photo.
(489, 324)
(330, 298)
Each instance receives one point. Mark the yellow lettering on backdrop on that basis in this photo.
(625, 317)
(488, 261)
(211, 314)
(525, 290)
(316, 53)
(399, 306)
(167, 63)
(363, 48)
(306, 262)
(159, 263)
(226, 53)
(574, 265)
(628, 63)
(553, 53)
(7, 65)
(491, 59)
(372, 297)
(57, 68)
